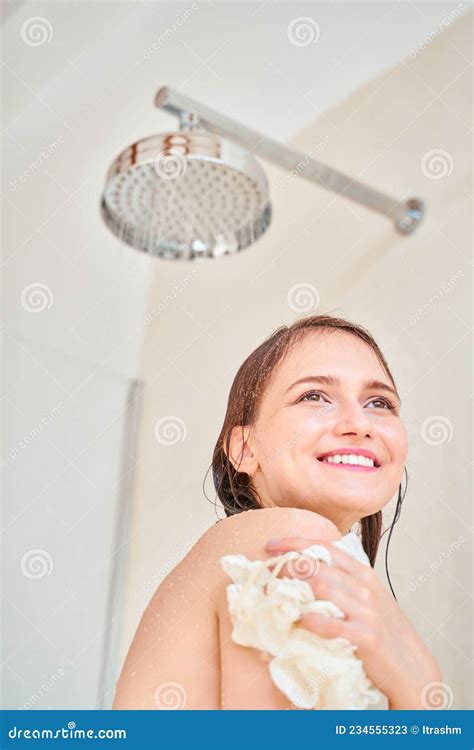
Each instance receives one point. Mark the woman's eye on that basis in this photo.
(377, 403)
(386, 404)
(304, 397)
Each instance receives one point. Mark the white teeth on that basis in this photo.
(349, 459)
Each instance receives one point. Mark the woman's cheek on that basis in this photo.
(394, 436)
(294, 439)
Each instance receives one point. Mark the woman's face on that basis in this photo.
(298, 422)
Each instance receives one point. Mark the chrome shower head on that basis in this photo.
(186, 195)
(195, 194)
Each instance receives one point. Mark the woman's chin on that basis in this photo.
(353, 496)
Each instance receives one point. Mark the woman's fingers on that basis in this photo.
(300, 567)
(325, 626)
(339, 557)
(327, 582)
(348, 583)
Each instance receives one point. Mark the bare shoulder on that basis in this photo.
(248, 531)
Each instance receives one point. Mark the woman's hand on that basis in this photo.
(395, 658)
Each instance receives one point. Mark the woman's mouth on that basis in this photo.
(349, 461)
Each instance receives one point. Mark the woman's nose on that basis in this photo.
(352, 418)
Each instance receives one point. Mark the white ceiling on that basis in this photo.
(233, 56)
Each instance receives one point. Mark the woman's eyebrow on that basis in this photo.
(331, 380)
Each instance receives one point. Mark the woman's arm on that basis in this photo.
(246, 680)
(173, 661)
(176, 656)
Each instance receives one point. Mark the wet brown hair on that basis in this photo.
(234, 488)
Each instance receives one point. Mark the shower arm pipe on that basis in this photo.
(406, 214)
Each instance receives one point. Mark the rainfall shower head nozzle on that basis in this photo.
(186, 195)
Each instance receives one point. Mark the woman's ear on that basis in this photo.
(240, 452)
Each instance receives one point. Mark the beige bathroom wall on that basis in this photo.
(407, 133)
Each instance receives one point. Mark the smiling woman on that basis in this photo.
(304, 465)
(276, 427)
